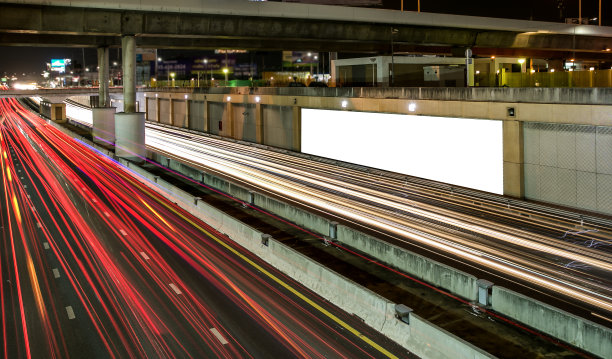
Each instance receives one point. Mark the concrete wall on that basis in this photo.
(216, 113)
(180, 113)
(569, 165)
(244, 122)
(278, 126)
(164, 111)
(281, 123)
(438, 274)
(577, 331)
(197, 115)
(151, 109)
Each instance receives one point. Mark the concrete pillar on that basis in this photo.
(128, 58)
(103, 76)
(187, 104)
(146, 111)
(259, 124)
(469, 67)
(129, 124)
(171, 111)
(297, 129)
(206, 117)
(514, 179)
(130, 136)
(484, 292)
(103, 131)
(230, 119)
(333, 230)
(157, 116)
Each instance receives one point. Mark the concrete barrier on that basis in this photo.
(421, 337)
(569, 328)
(440, 275)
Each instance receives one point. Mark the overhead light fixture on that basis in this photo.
(257, 99)
(412, 107)
(344, 103)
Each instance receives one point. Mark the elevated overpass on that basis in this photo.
(208, 24)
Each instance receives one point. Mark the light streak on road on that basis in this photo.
(531, 257)
(140, 277)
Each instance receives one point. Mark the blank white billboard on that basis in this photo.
(460, 151)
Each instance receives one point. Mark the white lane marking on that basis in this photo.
(123, 232)
(70, 312)
(94, 200)
(20, 177)
(56, 273)
(38, 225)
(33, 209)
(46, 245)
(219, 336)
(106, 214)
(175, 288)
(144, 255)
(25, 186)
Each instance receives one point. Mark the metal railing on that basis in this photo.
(595, 78)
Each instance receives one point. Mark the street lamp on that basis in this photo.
(206, 68)
(172, 74)
(225, 71)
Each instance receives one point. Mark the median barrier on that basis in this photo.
(584, 334)
(432, 272)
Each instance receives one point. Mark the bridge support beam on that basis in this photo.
(514, 178)
(297, 129)
(259, 126)
(103, 76)
(130, 124)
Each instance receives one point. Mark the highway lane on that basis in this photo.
(543, 250)
(142, 277)
(577, 271)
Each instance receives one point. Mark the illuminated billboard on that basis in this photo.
(58, 65)
(461, 151)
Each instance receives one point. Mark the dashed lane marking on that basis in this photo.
(70, 312)
(56, 273)
(219, 336)
(144, 255)
(175, 288)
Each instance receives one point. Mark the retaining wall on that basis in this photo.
(569, 328)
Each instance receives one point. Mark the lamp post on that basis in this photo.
(172, 74)
(205, 68)
(392, 74)
(225, 71)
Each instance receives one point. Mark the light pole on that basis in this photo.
(172, 74)
(392, 74)
(225, 71)
(205, 68)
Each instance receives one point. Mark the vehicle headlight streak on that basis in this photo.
(260, 174)
(121, 291)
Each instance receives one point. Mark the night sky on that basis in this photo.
(28, 59)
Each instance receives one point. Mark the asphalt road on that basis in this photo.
(95, 264)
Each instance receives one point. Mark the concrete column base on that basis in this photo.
(130, 136)
(103, 131)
